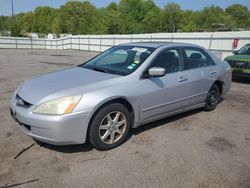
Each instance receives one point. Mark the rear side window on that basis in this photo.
(196, 58)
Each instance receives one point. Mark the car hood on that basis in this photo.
(239, 57)
(38, 88)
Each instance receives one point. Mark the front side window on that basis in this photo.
(197, 58)
(169, 59)
(121, 60)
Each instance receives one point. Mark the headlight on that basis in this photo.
(58, 106)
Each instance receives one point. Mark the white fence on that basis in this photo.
(219, 42)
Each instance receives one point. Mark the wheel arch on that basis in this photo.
(220, 84)
(120, 100)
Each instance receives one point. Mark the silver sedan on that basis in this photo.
(122, 88)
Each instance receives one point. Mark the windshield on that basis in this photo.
(244, 50)
(121, 60)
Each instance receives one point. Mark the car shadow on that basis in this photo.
(241, 80)
(88, 147)
(67, 148)
(162, 122)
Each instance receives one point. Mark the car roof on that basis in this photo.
(157, 44)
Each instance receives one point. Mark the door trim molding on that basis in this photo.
(172, 102)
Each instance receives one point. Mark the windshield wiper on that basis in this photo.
(100, 69)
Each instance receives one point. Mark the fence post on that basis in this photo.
(31, 43)
(88, 43)
(172, 38)
(210, 42)
(16, 41)
(100, 43)
(131, 39)
(114, 40)
(79, 41)
(71, 42)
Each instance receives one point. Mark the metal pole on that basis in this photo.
(12, 7)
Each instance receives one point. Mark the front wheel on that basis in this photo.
(110, 127)
(213, 97)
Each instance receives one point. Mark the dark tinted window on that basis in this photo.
(196, 58)
(169, 59)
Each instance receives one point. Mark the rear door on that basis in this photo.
(199, 62)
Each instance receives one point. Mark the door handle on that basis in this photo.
(182, 79)
(213, 72)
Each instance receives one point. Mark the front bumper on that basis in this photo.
(241, 74)
(52, 129)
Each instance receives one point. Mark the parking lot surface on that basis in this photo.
(194, 149)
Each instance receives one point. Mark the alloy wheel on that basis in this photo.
(112, 127)
(212, 98)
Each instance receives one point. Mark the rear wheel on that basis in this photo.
(213, 97)
(110, 127)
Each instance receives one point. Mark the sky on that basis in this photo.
(30, 5)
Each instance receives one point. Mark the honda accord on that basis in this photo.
(122, 88)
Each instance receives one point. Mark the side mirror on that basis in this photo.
(235, 52)
(156, 72)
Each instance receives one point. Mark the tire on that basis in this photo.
(106, 130)
(212, 99)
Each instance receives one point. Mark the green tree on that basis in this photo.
(112, 19)
(43, 17)
(240, 15)
(3, 21)
(153, 20)
(190, 21)
(213, 17)
(126, 17)
(133, 12)
(173, 17)
(27, 20)
(56, 25)
(81, 18)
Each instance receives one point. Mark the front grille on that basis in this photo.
(22, 103)
(239, 64)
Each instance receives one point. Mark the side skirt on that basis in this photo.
(170, 114)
